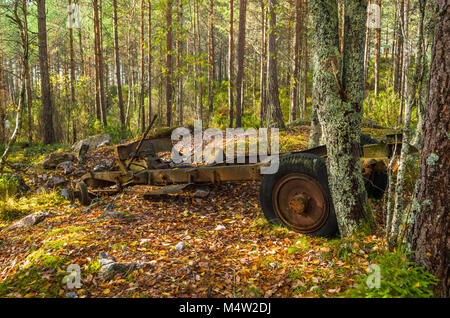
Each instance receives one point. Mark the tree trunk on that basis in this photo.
(305, 58)
(3, 96)
(366, 49)
(377, 55)
(47, 108)
(169, 64)
(341, 97)
(240, 61)
(99, 59)
(430, 237)
(296, 63)
(72, 69)
(117, 64)
(398, 214)
(274, 98)
(231, 68)
(263, 67)
(179, 50)
(211, 59)
(142, 74)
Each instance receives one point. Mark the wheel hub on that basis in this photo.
(300, 202)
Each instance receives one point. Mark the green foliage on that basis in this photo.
(399, 278)
(13, 208)
(8, 186)
(384, 109)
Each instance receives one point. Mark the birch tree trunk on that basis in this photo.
(397, 217)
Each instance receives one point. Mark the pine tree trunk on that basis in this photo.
(430, 238)
(274, 99)
(47, 108)
(149, 67)
(263, 63)
(3, 95)
(295, 82)
(169, 64)
(117, 64)
(72, 71)
(142, 69)
(240, 61)
(211, 59)
(179, 49)
(231, 68)
(377, 55)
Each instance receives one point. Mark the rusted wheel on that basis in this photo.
(84, 194)
(297, 196)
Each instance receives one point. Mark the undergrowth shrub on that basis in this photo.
(8, 186)
(399, 278)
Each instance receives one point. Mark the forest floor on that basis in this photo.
(172, 246)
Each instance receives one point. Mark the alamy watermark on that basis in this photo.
(374, 16)
(73, 280)
(207, 146)
(74, 18)
(374, 279)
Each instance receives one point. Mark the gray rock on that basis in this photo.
(67, 166)
(110, 270)
(72, 295)
(105, 258)
(180, 246)
(30, 220)
(56, 181)
(65, 194)
(92, 142)
(202, 192)
(54, 159)
(117, 215)
(103, 144)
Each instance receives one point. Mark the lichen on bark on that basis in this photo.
(338, 85)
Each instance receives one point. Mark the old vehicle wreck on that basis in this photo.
(297, 196)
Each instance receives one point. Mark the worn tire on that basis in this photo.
(85, 199)
(315, 169)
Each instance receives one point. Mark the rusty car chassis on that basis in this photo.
(297, 196)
